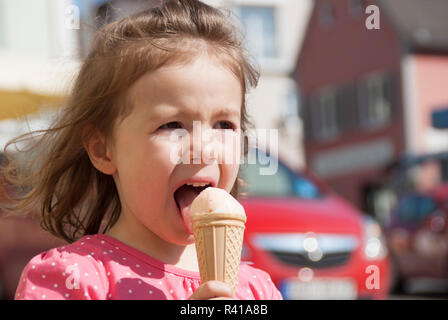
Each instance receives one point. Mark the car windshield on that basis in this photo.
(415, 208)
(282, 183)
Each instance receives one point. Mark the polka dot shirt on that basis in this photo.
(99, 267)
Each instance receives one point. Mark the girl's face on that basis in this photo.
(150, 154)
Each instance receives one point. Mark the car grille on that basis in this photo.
(302, 260)
(296, 249)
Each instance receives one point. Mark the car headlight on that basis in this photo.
(374, 242)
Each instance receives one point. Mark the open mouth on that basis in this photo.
(184, 196)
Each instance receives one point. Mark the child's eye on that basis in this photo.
(226, 125)
(171, 125)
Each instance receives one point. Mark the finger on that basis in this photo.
(213, 289)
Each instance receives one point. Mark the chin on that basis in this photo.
(189, 240)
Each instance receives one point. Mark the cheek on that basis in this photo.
(144, 171)
(229, 148)
(231, 162)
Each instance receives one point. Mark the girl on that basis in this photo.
(104, 176)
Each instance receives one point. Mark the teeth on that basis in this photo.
(198, 184)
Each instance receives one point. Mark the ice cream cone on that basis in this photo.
(218, 237)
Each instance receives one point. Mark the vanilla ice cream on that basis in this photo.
(216, 200)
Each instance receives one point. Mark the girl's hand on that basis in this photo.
(213, 290)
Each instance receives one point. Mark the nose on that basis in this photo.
(202, 145)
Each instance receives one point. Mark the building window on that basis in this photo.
(327, 15)
(259, 24)
(324, 115)
(356, 8)
(346, 108)
(376, 101)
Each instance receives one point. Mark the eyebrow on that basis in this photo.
(169, 111)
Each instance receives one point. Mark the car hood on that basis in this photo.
(329, 214)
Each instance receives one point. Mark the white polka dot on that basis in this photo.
(67, 295)
(95, 287)
(139, 282)
(44, 296)
(86, 294)
(33, 267)
(124, 258)
(137, 266)
(117, 248)
(33, 288)
(104, 252)
(150, 291)
(55, 285)
(128, 273)
(82, 243)
(53, 264)
(44, 276)
(171, 291)
(149, 273)
(63, 274)
(109, 295)
(18, 295)
(111, 251)
(92, 253)
(102, 242)
(130, 291)
(86, 274)
(108, 274)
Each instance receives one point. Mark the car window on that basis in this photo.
(278, 184)
(284, 183)
(414, 209)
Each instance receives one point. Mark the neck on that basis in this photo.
(181, 256)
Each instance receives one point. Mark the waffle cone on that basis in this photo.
(219, 240)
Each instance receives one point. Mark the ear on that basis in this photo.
(99, 152)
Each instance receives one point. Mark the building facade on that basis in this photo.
(369, 93)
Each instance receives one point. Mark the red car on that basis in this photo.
(313, 243)
(418, 236)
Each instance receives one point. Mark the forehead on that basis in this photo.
(199, 86)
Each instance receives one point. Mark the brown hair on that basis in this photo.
(54, 175)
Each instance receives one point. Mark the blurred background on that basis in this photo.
(357, 90)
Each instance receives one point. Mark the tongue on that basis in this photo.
(184, 197)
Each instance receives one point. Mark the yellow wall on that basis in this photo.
(15, 104)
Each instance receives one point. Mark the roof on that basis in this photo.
(421, 24)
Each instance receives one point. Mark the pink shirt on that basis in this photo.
(101, 267)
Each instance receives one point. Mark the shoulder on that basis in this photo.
(67, 272)
(259, 282)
